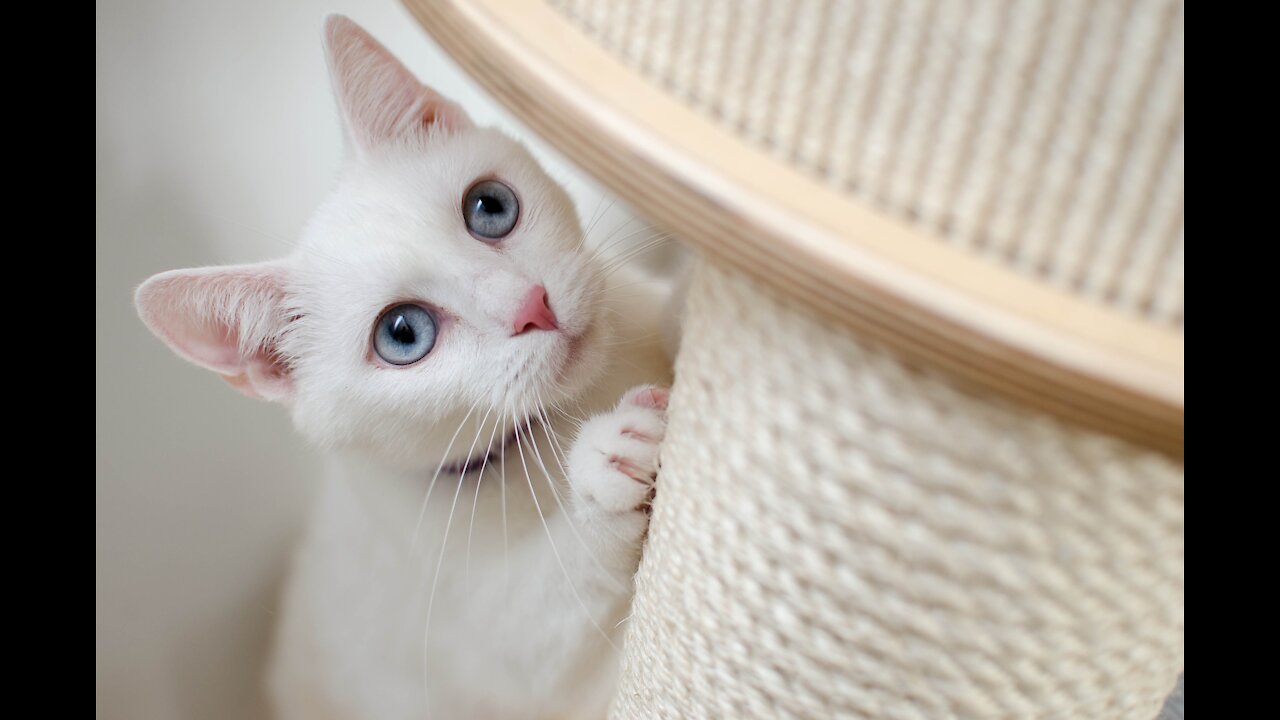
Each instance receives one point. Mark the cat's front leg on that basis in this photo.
(612, 468)
(575, 589)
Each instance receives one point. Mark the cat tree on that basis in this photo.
(925, 445)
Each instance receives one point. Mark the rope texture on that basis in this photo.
(840, 535)
(1047, 135)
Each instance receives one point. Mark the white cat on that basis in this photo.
(436, 331)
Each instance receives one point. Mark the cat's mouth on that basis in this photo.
(493, 454)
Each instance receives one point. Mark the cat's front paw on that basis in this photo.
(614, 462)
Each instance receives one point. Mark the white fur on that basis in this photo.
(416, 592)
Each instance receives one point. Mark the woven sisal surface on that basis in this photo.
(1047, 136)
(837, 535)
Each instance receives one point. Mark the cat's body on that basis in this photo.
(485, 388)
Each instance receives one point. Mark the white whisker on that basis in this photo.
(646, 242)
(422, 511)
(506, 560)
(554, 550)
(555, 493)
(563, 469)
(618, 263)
(444, 543)
(475, 501)
(598, 215)
(601, 253)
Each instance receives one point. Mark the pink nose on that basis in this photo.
(535, 313)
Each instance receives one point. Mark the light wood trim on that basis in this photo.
(940, 306)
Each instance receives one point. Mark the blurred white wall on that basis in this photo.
(216, 137)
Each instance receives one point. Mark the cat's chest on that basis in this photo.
(392, 547)
(469, 597)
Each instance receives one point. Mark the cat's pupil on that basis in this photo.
(401, 332)
(490, 205)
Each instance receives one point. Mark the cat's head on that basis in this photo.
(445, 273)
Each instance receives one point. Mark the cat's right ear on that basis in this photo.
(227, 319)
(378, 97)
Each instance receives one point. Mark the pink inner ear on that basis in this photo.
(379, 98)
(227, 320)
(210, 345)
(443, 113)
(265, 378)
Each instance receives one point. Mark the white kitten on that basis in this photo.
(434, 331)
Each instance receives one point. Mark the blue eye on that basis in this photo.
(404, 334)
(490, 210)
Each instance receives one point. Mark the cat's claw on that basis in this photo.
(614, 462)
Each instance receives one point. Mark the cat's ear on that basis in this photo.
(228, 319)
(378, 97)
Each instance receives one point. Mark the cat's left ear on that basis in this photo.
(379, 98)
(226, 319)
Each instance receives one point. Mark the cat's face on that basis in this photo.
(512, 318)
(445, 275)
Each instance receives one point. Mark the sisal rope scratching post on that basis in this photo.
(924, 453)
(840, 535)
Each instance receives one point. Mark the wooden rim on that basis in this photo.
(940, 306)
